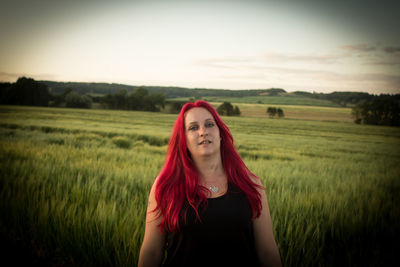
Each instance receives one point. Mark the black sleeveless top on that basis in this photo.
(224, 237)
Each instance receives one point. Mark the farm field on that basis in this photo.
(286, 99)
(74, 183)
(298, 112)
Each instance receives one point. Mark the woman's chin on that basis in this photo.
(207, 153)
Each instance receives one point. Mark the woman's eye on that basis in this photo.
(209, 124)
(193, 128)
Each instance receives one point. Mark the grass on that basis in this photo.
(74, 184)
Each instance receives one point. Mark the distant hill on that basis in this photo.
(57, 88)
(266, 96)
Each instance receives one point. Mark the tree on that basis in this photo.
(58, 100)
(75, 100)
(134, 101)
(271, 111)
(120, 99)
(155, 101)
(280, 113)
(4, 87)
(227, 109)
(236, 111)
(139, 99)
(383, 110)
(26, 91)
(174, 106)
(141, 92)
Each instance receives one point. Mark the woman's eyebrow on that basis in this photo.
(195, 122)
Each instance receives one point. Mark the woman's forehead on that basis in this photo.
(197, 114)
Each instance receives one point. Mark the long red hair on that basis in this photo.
(178, 180)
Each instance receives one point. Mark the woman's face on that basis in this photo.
(202, 133)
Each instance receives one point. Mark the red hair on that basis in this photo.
(178, 180)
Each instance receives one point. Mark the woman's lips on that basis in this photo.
(205, 142)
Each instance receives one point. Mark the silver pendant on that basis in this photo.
(213, 189)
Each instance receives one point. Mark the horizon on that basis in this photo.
(203, 88)
(225, 45)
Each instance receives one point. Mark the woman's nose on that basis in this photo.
(203, 131)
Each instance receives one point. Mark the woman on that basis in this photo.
(206, 208)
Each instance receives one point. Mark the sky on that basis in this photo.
(300, 45)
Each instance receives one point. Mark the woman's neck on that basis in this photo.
(210, 169)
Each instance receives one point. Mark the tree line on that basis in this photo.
(139, 99)
(168, 91)
(381, 110)
(27, 91)
(227, 109)
(344, 99)
(367, 109)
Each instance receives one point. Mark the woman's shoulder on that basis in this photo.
(153, 190)
(255, 179)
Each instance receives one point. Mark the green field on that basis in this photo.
(74, 183)
(285, 99)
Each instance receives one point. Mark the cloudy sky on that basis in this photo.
(308, 45)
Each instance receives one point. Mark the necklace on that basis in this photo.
(213, 189)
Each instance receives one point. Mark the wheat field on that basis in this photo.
(74, 184)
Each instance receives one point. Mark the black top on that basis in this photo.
(223, 238)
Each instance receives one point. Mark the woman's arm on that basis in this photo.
(152, 250)
(267, 250)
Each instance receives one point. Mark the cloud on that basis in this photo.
(383, 62)
(301, 73)
(358, 47)
(391, 49)
(226, 63)
(263, 60)
(369, 48)
(282, 58)
(313, 80)
(266, 70)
